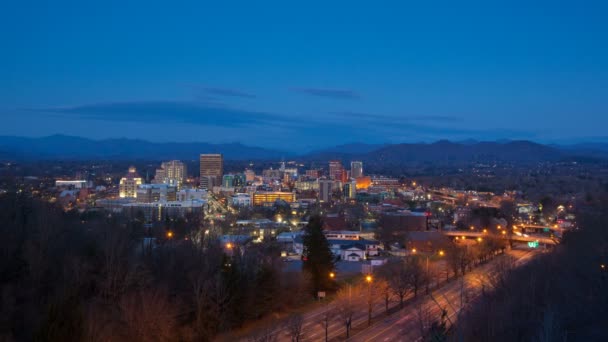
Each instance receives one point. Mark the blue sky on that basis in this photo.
(302, 75)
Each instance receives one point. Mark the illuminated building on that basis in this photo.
(307, 185)
(388, 183)
(149, 193)
(228, 181)
(364, 182)
(314, 173)
(350, 189)
(212, 169)
(356, 169)
(249, 175)
(325, 189)
(76, 184)
(129, 183)
(269, 197)
(241, 200)
(172, 172)
(335, 169)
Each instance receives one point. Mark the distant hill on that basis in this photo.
(446, 151)
(352, 148)
(443, 151)
(76, 148)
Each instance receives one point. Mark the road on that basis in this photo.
(405, 325)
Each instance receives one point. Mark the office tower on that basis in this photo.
(240, 180)
(172, 172)
(249, 175)
(129, 183)
(228, 181)
(325, 189)
(350, 189)
(212, 169)
(343, 176)
(356, 169)
(313, 173)
(335, 169)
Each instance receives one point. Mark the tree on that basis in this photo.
(417, 274)
(295, 325)
(346, 302)
(396, 274)
(318, 258)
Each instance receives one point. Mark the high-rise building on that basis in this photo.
(313, 173)
(228, 181)
(239, 180)
(356, 169)
(325, 189)
(335, 169)
(350, 189)
(129, 183)
(249, 175)
(212, 169)
(172, 172)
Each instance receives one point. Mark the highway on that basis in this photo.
(405, 325)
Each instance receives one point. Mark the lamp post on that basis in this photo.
(369, 279)
(332, 276)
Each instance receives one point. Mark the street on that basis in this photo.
(403, 325)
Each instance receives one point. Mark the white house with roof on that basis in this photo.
(349, 247)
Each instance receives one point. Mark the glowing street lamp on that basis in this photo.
(479, 239)
(169, 234)
(332, 275)
(441, 253)
(229, 245)
(414, 250)
(368, 279)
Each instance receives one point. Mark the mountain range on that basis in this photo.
(61, 147)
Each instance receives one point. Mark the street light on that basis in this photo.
(369, 279)
(414, 250)
(479, 239)
(332, 275)
(441, 253)
(169, 234)
(229, 245)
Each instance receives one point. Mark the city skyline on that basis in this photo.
(259, 76)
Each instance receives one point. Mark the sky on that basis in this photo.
(301, 75)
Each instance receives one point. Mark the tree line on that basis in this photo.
(65, 276)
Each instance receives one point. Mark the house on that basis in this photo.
(363, 248)
(354, 252)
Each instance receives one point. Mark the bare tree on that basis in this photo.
(294, 325)
(398, 278)
(265, 334)
(384, 291)
(346, 303)
(148, 316)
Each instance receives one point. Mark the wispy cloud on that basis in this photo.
(340, 94)
(167, 111)
(229, 92)
(396, 118)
